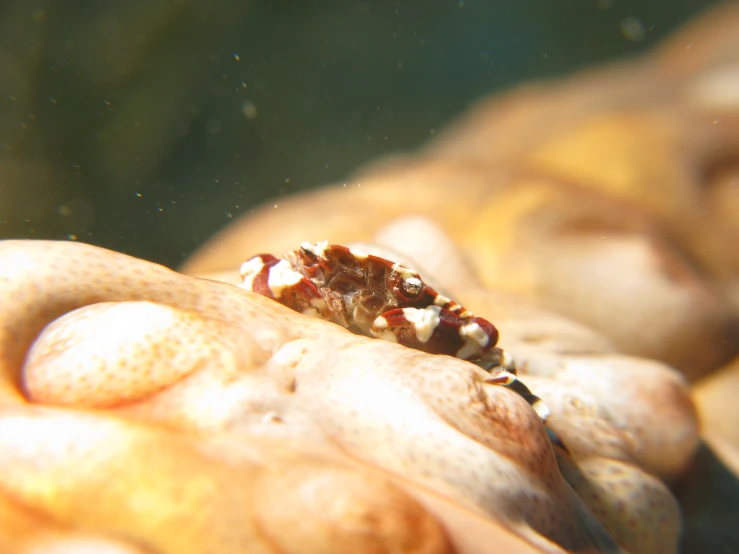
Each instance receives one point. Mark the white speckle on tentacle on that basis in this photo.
(424, 321)
(282, 275)
(475, 340)
(318, 249)
(249, 270)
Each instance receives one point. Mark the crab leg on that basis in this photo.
(509, 380)
(436, 330)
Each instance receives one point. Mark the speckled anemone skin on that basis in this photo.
(200, 397)
(142, 410)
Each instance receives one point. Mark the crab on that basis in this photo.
(379, 298)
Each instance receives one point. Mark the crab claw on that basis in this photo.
(437, 330)
(275, 278)
(255, 274)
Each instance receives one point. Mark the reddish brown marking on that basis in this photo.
(357, 290)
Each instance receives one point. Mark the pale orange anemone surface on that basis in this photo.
(142, 410)
(145, 410)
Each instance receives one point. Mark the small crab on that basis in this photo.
(379, 298)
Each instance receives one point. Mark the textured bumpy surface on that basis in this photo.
(610, 198)
(203, 391)
(144, 411)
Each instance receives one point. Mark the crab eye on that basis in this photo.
(412, 286)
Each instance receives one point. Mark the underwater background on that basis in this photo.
(145, 127)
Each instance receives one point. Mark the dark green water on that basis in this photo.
(146, 126)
